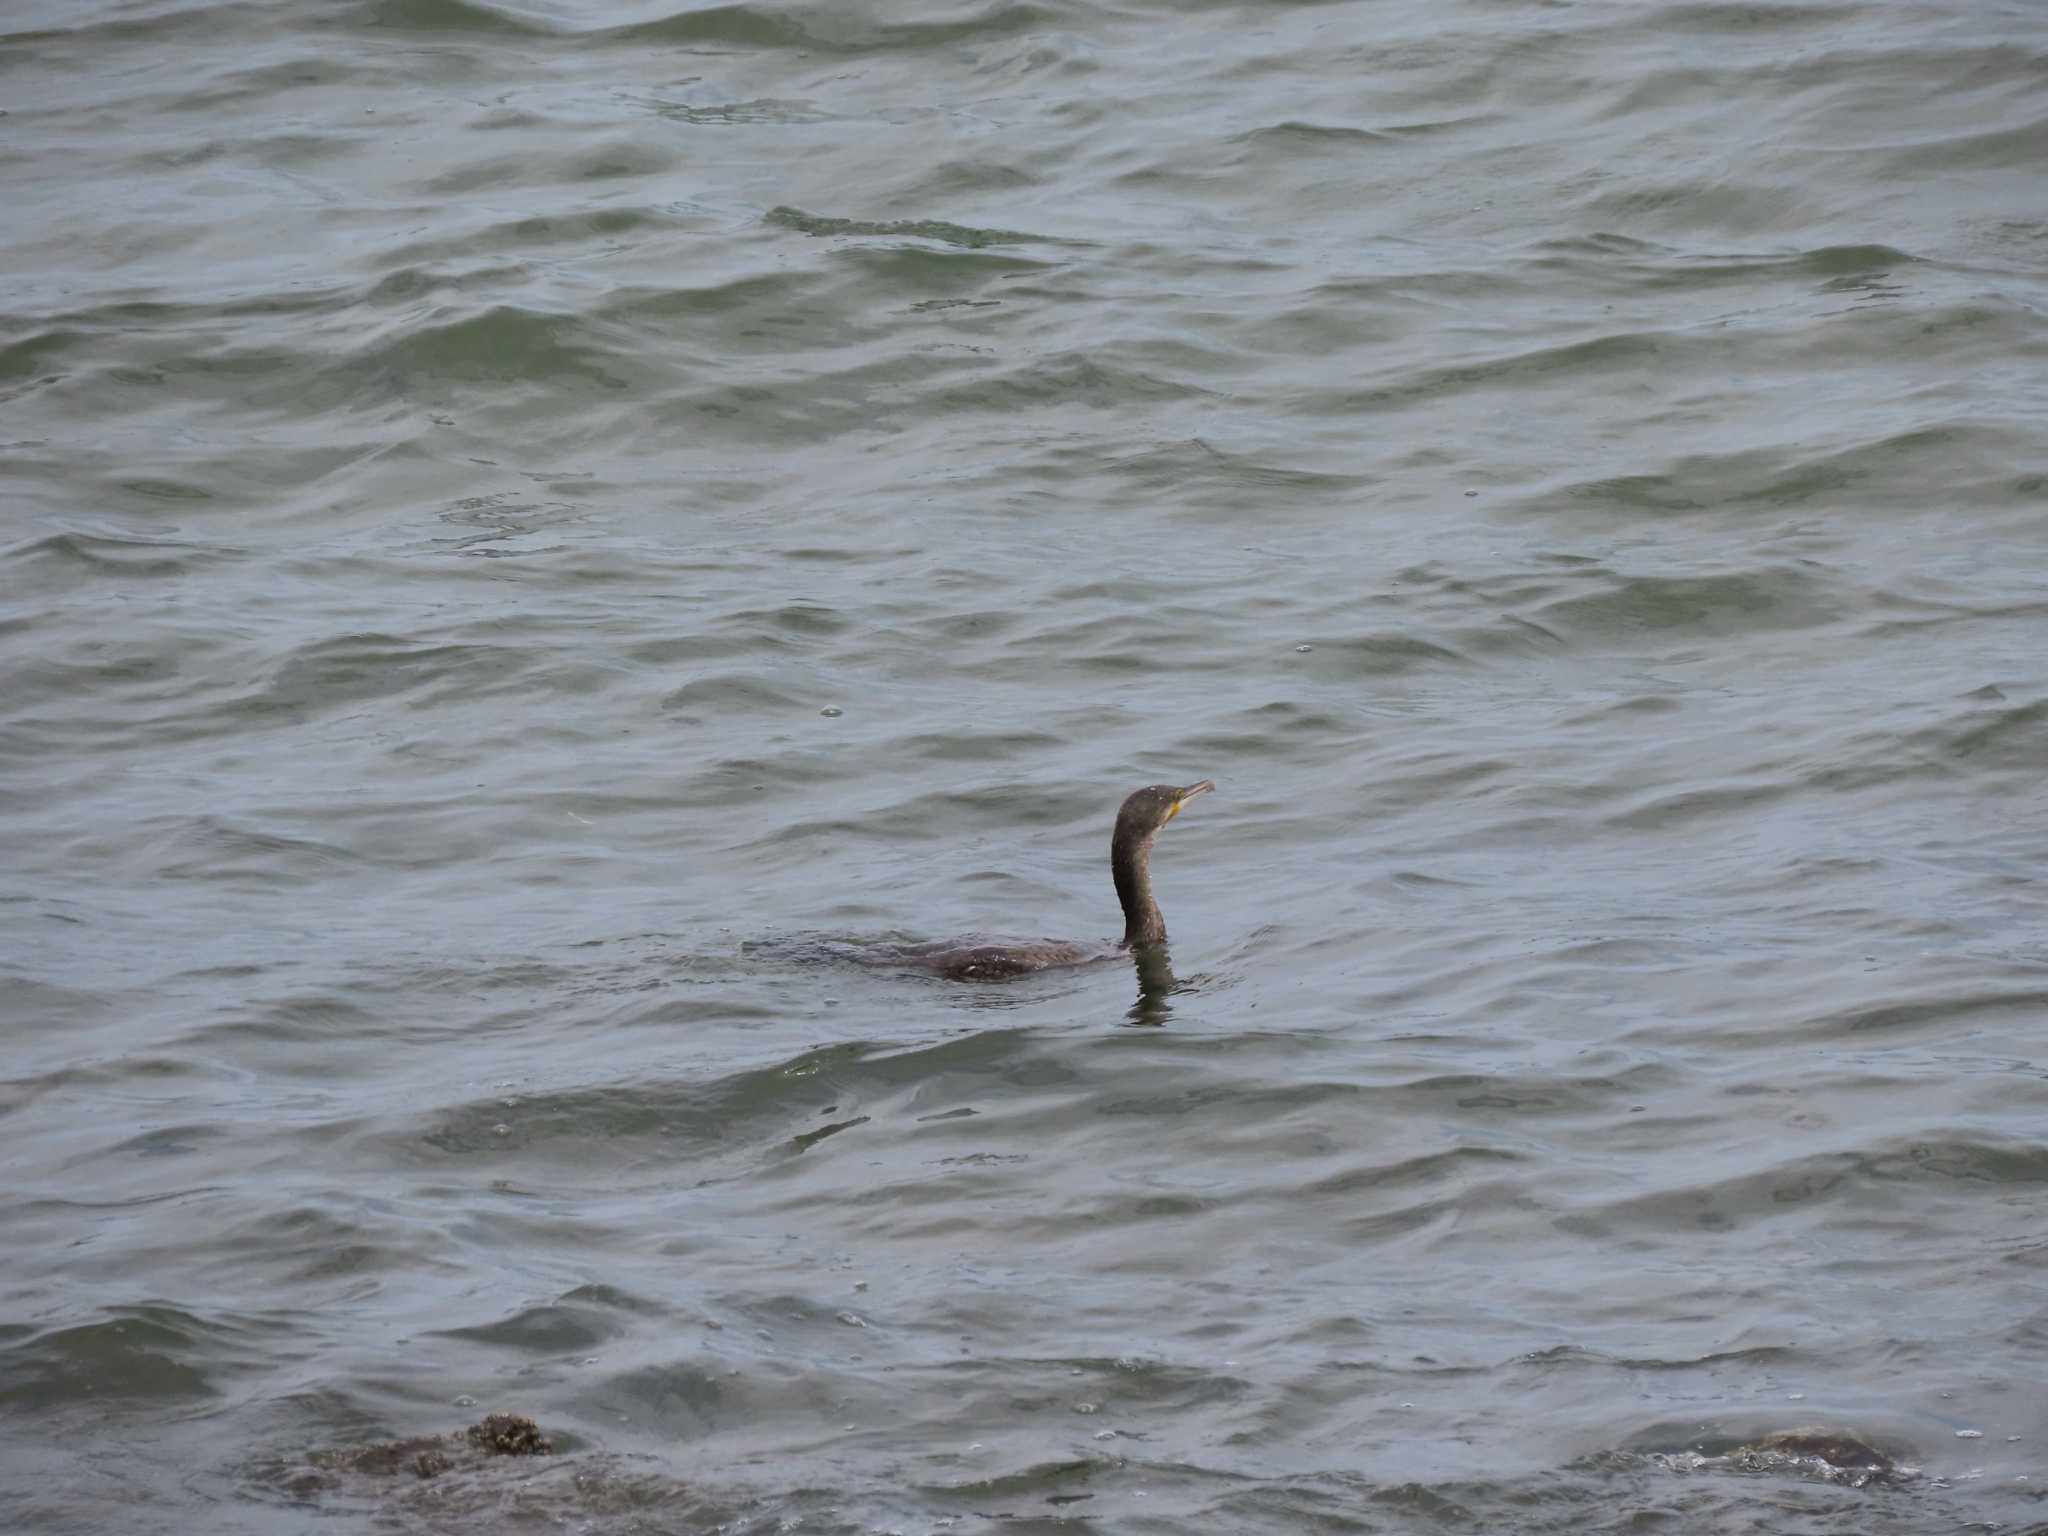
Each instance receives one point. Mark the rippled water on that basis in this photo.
(519, 517)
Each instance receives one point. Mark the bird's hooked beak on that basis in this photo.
(1183, 796)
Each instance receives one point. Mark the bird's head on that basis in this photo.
(1146, 810)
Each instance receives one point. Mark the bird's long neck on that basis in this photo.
(1130, 863)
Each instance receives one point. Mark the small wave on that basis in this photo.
(623, 158)
(729, 694)
(108, 555)
(2015, 148)
(832, 29)
(504, 344)
(1067, 379)
(1547, 366)
(907, 229)
(457, 16)
(1900, 471)
(1612, 261)
(1669, 607)
(326, 674)
(138, 1354)
(1932, 1016)
(1740, 16)
(557, 1328)
(1290, 136)
(735, 114)
(37, 360)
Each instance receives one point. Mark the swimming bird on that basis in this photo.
(1138, 821)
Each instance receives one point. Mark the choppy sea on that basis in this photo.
(515, 518)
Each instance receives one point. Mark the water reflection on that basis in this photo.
(1156, 983)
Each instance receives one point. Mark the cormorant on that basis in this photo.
(1138, 821)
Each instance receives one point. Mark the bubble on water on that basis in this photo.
(831, 711)
(1969, 1434)
(1303, 650)
(1085, 1408)
(1795, 1397)
(501, 1129)
(465, 1401)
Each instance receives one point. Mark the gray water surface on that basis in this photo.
(519, 518)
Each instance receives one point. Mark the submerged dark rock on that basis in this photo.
(1807, 1451)
(508, 1434)
(1837, 1455)
(497, 1434)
